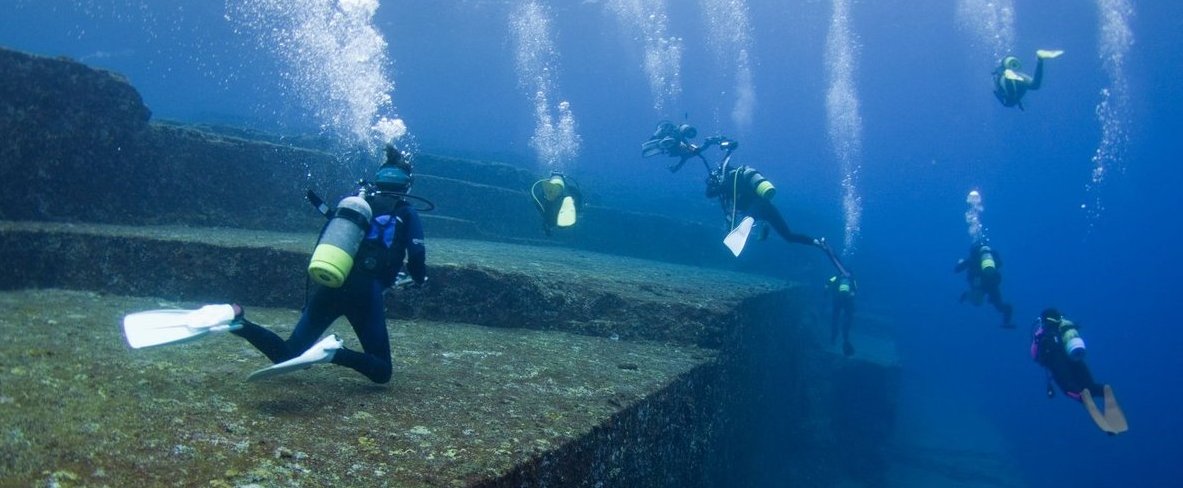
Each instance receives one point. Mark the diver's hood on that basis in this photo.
(393, 178)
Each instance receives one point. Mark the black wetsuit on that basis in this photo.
(982, 272)
(736, 190)
(359, 299)
(1071, 375)
(1010, 92)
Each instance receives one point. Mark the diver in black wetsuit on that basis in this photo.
(558, 200)
(842, 290)
(741, 190)
(744, 191)
(1057, 346)
(394, 237)
(982, 272)
(1010, 84)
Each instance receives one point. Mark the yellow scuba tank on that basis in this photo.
(333, 257)
(760, 185)
(842, 284)
(553, 188)
(987, 259)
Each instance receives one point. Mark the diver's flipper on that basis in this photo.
(1087, 399)
(1049, 53)
(738, 237)
(159, 327)
(321, 352)
(566, 212)
(651, 148)
(1113, 414)
(1012, 75)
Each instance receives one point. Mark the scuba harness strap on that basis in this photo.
(319, 204)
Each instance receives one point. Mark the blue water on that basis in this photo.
(930, 132)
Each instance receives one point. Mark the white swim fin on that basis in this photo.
(321, 352)
(1049, 53)
(159, 327)
(566, 212)
(738, 238)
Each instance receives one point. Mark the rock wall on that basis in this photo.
(76, 145)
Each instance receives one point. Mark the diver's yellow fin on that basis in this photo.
(738, 237)
(567, 212)
(1012, 75)
(1049, 53)
(1113, 414)
(1087, 399)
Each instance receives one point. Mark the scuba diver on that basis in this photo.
(842, 289)
(1057, 346)
(982, 272)
(1010, 84)
(558, 198)
(369, 238)
(744, 194)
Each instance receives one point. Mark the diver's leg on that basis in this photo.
(849, 320)
(267, 342)
(367, 315)
(552, 215)
(847, 347)
(1037, 80)
(835, 317)
(769, 213)
(995, 296)
(320, 312)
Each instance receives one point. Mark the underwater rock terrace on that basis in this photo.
(619, 381)
(481, 283)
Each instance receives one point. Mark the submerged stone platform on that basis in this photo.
(468, 405)
(516, 366)
(476, 282)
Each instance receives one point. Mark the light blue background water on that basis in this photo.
(932, 131)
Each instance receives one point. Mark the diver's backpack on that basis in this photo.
(376, 254)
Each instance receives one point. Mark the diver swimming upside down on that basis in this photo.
(1010, 84)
